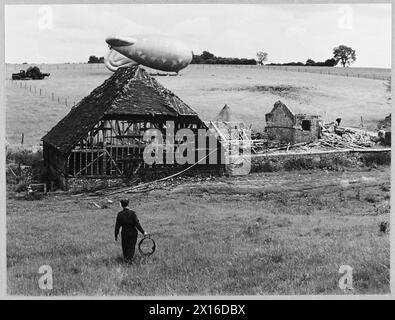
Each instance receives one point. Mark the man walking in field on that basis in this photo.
(128, 221)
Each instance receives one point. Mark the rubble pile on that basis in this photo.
(348, 138)
(333, 137)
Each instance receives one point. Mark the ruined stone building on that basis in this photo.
(287, 127)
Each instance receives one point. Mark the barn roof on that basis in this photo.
(130, 91)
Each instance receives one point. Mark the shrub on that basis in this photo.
(371, 198)
(298, 164)
(20, 187)
(379, 158)
(27, 157)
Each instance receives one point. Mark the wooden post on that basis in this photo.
(104, 160)
(74, 162)
(40, 91)
(52, 96)
(110, 154)
(22, 138)
(80, 168)
(92, 163)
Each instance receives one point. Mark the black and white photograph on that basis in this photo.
(196, 149)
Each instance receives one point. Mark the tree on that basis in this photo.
(207, 55)
(330, 62)
(94, 59)
(344, 54)
(262, 57)
(310, 62)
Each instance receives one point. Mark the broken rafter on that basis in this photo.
(115, 164)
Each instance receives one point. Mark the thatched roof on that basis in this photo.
(130, 91)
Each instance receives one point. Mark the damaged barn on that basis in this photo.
(101, 138)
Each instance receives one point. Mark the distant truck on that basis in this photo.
(32, 73)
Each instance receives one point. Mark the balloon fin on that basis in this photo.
(120, 41)
(114, 60)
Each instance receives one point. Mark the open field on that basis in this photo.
(249, 91)
(285, 232)
(276, 233)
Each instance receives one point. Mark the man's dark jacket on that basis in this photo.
(128, 221)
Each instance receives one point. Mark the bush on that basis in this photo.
(20, 187)
(298, 164)
(379, 158)
(24, 156)
(27, 157)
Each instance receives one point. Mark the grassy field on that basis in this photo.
(249, 91)
(272, 233)
(277, 233)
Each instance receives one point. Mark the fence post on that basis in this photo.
(52, 96)
(40, 91)
(22, 138)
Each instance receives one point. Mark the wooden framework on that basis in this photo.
(102, 136)
(114, 147)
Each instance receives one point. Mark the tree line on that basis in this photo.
(341, 54)
(208, 58)
(309, 62)
(94, 59)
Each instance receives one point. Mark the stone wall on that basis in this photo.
(306, 135)
(328, 160)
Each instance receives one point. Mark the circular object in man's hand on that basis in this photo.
(147, 246)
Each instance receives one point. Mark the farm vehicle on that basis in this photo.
(32, 73)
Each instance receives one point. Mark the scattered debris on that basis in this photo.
(38, 187)
(96, 205)
(350, 138)
(384, 226)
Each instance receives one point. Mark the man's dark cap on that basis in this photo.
(124, 203)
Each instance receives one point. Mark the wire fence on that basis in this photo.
(56, 66)
(34, 89)
(367, 73)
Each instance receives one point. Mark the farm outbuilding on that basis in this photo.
(285, 126)
(101, 138)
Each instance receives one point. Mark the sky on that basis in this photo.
(71, 33)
